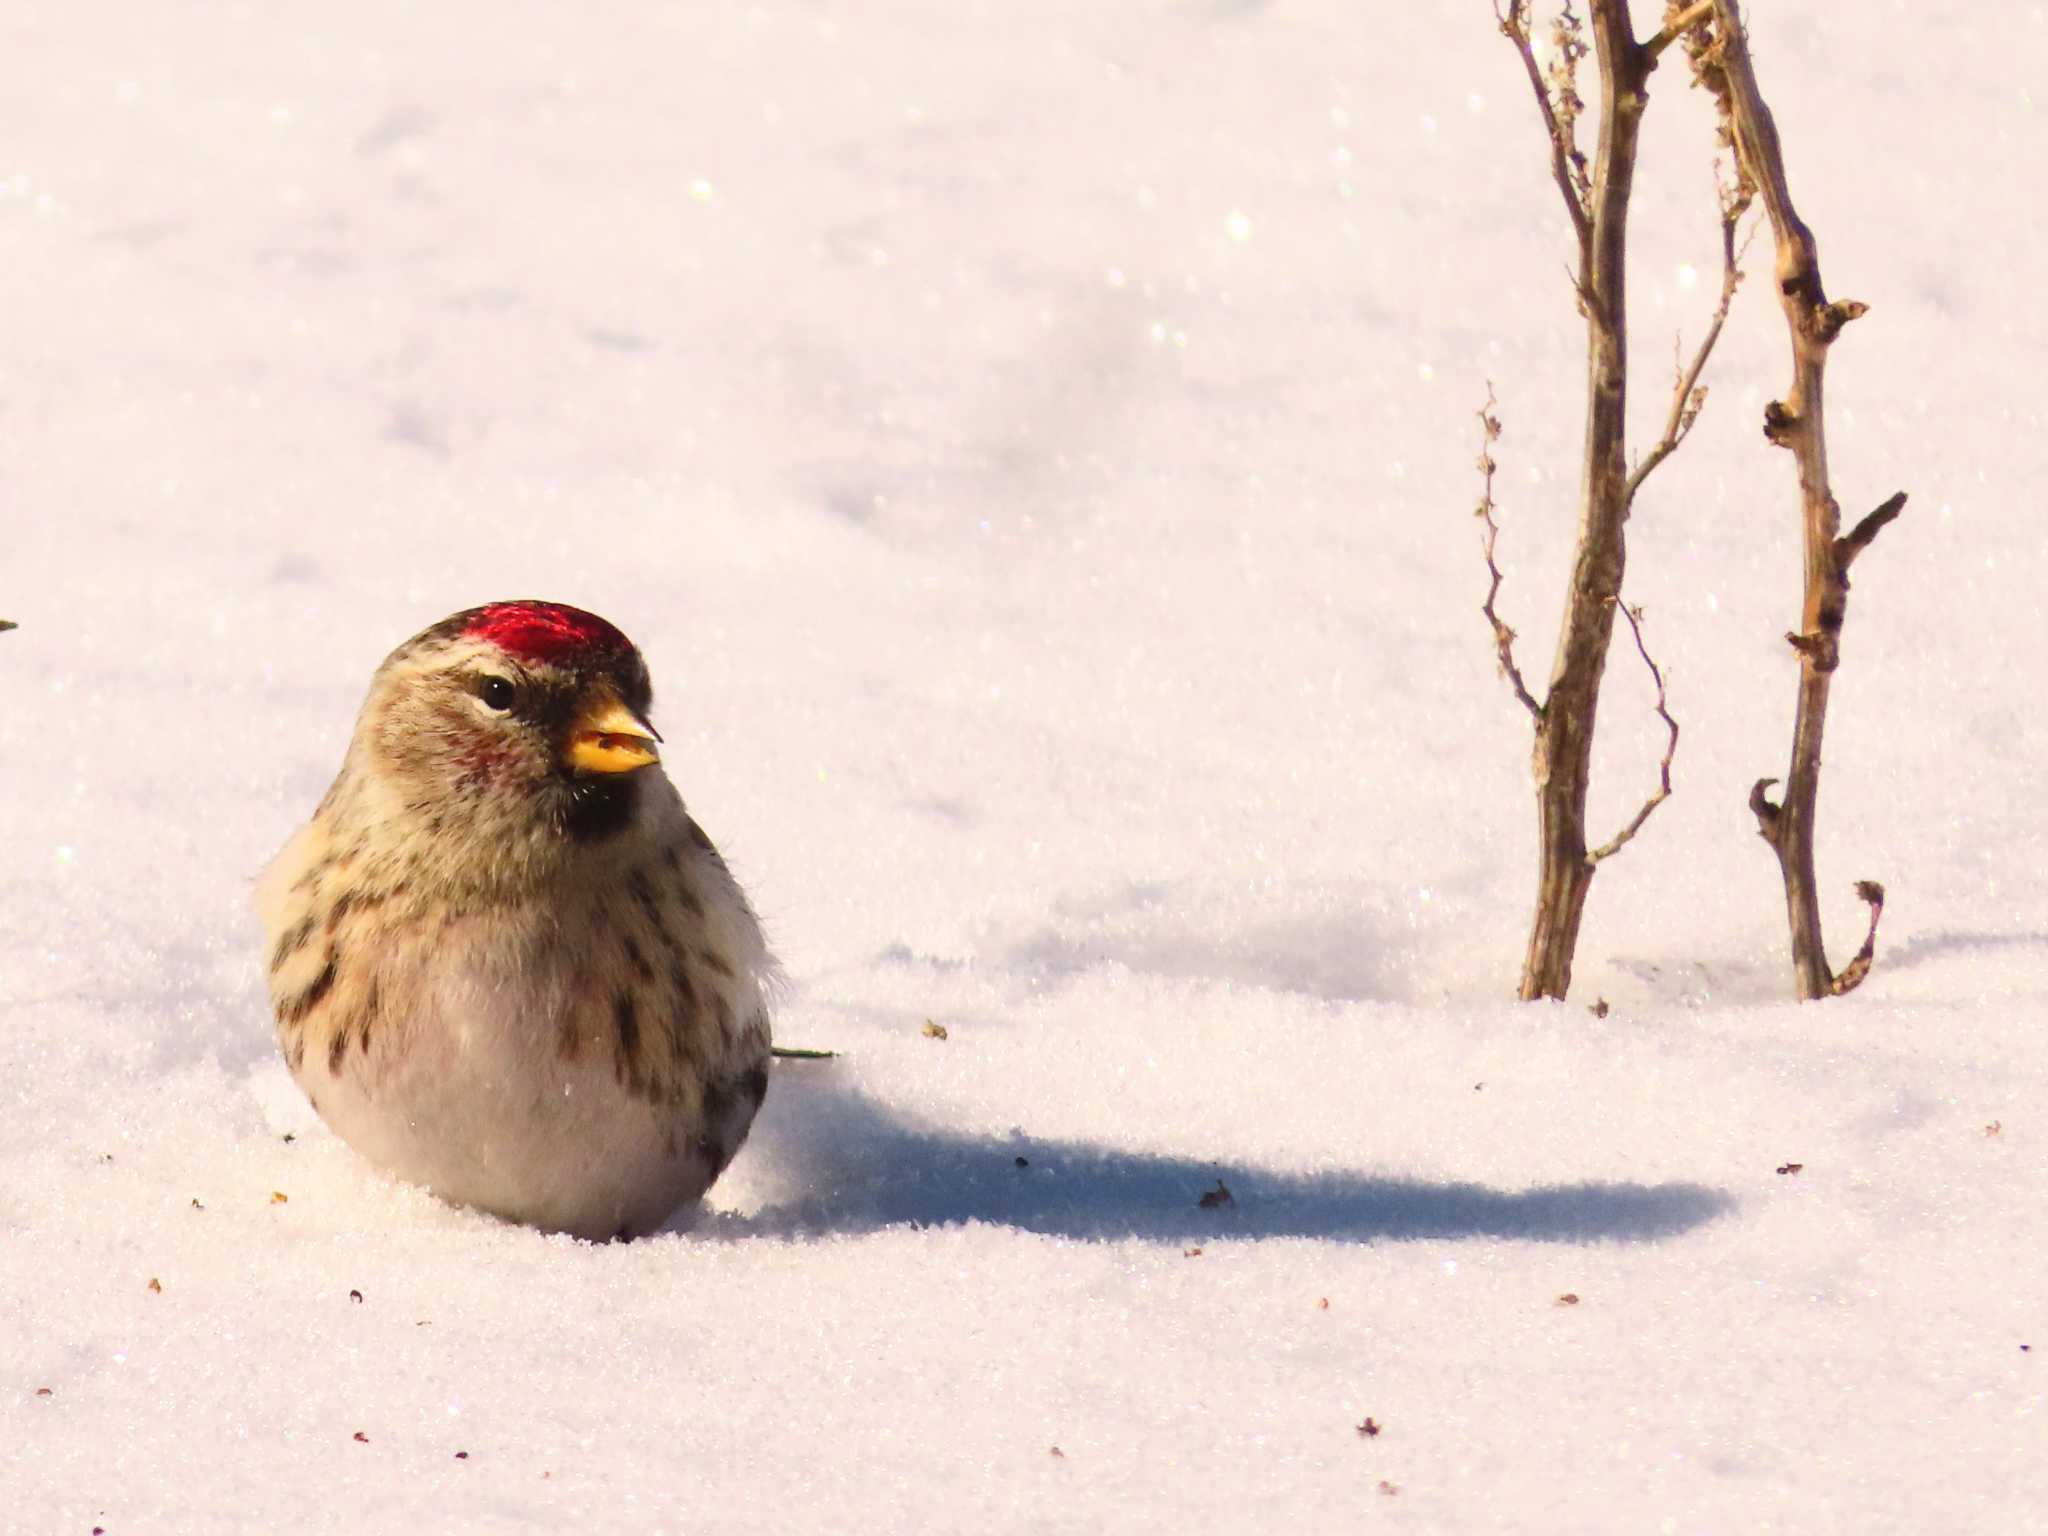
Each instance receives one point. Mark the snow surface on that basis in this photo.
(1033, 446)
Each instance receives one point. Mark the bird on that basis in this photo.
(506, 962)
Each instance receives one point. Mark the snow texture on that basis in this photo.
(1034, 448)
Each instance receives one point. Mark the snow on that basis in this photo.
(1034, 450)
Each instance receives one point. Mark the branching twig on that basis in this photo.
(1662, 793)
(1503, 636)
(1596, 195)
(1721, 60)
(1567, 164)
(1677, 24)
(1688, 395)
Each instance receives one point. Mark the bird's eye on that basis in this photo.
(497, 693)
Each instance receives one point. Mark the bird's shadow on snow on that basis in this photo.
(834, 1161)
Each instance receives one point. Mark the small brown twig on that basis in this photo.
(1503, 635)
(1677, 24)
(1688, 395)
(1857, 539)
(1722, 63)
(1851, 975)
(1596, 191)
(1567, 163)
(1662, 793)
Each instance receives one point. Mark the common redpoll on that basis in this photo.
(506, 963)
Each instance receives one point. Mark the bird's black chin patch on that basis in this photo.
(598, 806)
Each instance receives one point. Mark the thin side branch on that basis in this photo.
(1688, 395)
(1503, 636)
(1567, 164)
(1677, 25)
(1852, 974)
(1662, 793)
(1858, 539)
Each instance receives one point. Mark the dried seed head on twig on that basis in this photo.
(1503, 636)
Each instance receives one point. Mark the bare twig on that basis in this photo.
(1721, 60)
(1562, 759)
(1596, 195)
(1857, 539)
(1677, 23)
(1662, 793)
(1503, 636)
(1688, 395)
(1567, 164)
(1756, 140)
(1852, 974)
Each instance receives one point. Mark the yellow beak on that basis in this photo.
(610, 738)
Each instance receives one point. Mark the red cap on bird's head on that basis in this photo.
(542, 632)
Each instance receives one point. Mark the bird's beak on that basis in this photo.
(609, 738)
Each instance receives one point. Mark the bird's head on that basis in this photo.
(505, 727)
